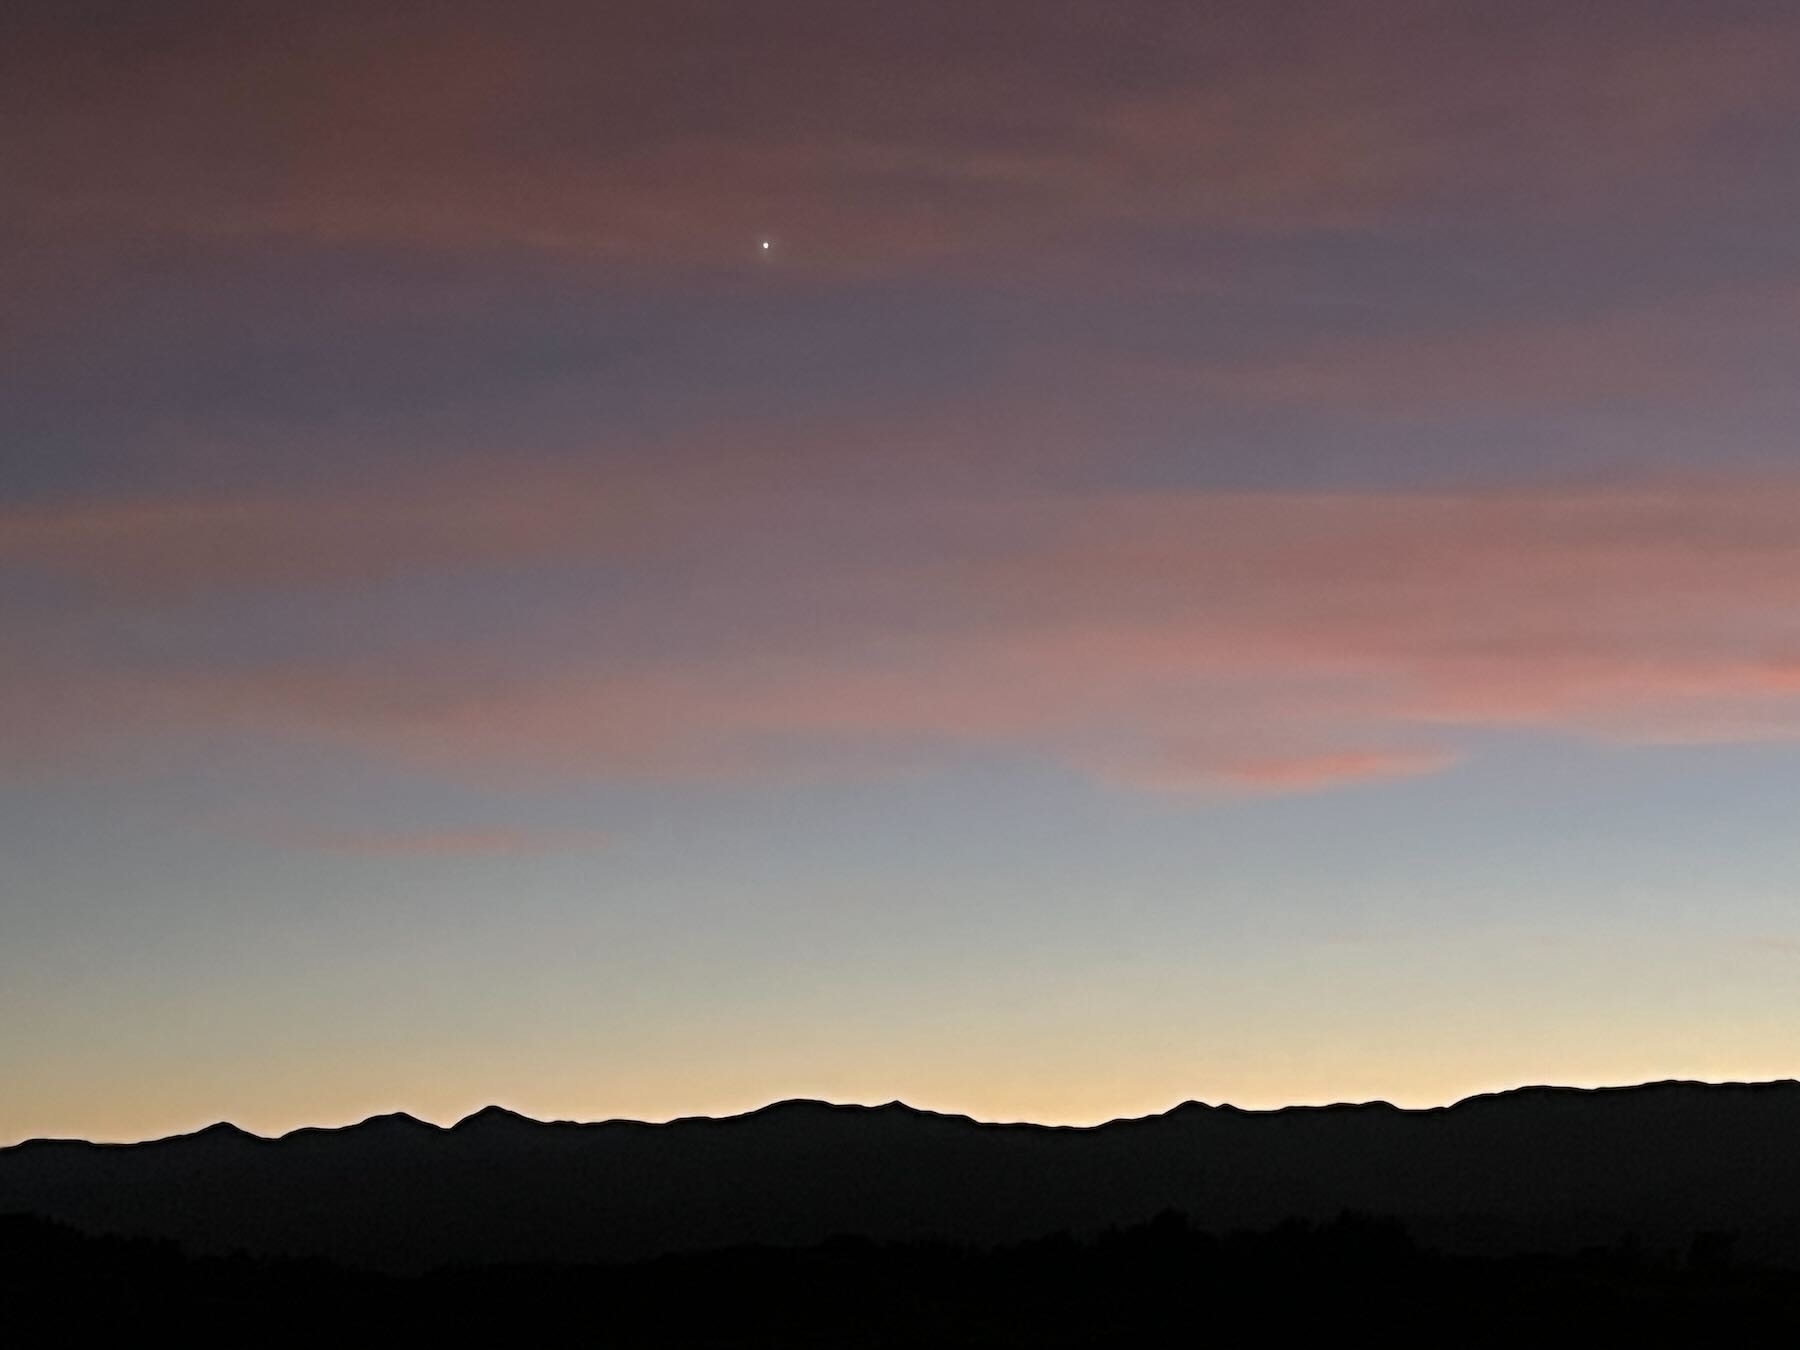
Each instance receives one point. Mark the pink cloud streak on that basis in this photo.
(1249, 642)
(1285, 774)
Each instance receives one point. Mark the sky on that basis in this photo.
(1038, 559)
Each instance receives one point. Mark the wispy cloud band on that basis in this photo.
(1244, 641)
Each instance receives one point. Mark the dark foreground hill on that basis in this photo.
(1354, 1280)
(1539, 1169)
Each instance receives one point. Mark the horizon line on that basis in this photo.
(495, 1109)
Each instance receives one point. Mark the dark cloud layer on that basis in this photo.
(868, 136)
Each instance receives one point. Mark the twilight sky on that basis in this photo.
(1041, 559)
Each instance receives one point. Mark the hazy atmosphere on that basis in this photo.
(1042, 560)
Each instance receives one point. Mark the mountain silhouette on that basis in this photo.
(1535, 1169)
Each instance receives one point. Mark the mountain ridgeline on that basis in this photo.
(1536, 1169)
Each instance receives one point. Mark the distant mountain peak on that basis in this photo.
(221, 1129)
(395, 1120)
(391, 1124)
(493, 1116)
(792, 1107)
